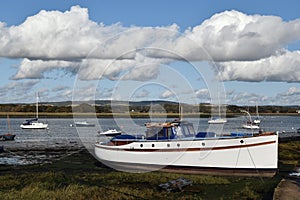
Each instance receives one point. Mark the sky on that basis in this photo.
(247, 52)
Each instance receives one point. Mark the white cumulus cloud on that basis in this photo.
(167, 94)
(245, 47)
(284, 67)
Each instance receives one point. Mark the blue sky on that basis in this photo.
(52, 51)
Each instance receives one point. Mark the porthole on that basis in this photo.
(153, 145)
(168, 145)
(178, 145)
(242, 141)
(203, 144)
(141, 145)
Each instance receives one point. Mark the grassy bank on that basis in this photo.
(80, 176)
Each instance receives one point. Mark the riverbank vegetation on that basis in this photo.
(80, 176)
(105, 111)
(136, 109)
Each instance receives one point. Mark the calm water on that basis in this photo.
(60, 129)
(60, 133)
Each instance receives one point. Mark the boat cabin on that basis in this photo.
(29, 121)
(169, 130)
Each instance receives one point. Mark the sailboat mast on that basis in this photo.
(37, 105)
(180, 112)
(219, 105)
(8, 123)
(257, 110)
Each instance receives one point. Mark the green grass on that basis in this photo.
(80, 176)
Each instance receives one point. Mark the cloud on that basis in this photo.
(293, 91)
(202, 93)
(35, 69)
(60, 88)
(94, 69)
(142, 94)
(232, 35)
(12, 91)
(72, 35)
(285, 68)
(289, 97)
(167, 94)
(70, 41)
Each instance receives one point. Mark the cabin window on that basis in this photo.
(169, 133)
(188, 130)
(153, 145)
(141, 145)
(161, 133)
(168, 145)
(152, 132)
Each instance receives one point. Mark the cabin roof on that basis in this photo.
(159, 125)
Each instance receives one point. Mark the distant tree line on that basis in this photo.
(156, 108)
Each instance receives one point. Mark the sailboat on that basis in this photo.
(217, 119)
(250, 124)
(34, 123)
(9, 135)
(257, 120)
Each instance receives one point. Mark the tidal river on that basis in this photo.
(61, 136)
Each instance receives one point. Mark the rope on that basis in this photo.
(261, 179)
(125, 193)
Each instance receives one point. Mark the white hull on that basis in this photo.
(227, 153)
(84, 124)
(111, 132)
(34, 125)
(245, 126)
(256, 121)
(217, 121)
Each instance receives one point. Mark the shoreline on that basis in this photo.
(126, 115)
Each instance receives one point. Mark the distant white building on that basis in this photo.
(298, 111)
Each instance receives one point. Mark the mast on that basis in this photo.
(244, 111)
(37, 105)
(180, 112)
(257, 111)
(8, 123)
(219, 105)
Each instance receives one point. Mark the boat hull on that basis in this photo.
(34, 126)
(221, 121)
(247, 153)
(6, 137)
(140, 168)
(251, 127)
(85, 125)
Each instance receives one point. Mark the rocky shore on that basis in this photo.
(20, 152)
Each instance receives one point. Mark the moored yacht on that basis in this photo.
(34, 123)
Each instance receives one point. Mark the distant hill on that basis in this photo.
(105, 106)
(109, 102)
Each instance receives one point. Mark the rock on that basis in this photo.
(175, 185)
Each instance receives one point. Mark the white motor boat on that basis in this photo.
(176, 146)
(110, 132)
(217, 120)
(84, 124)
